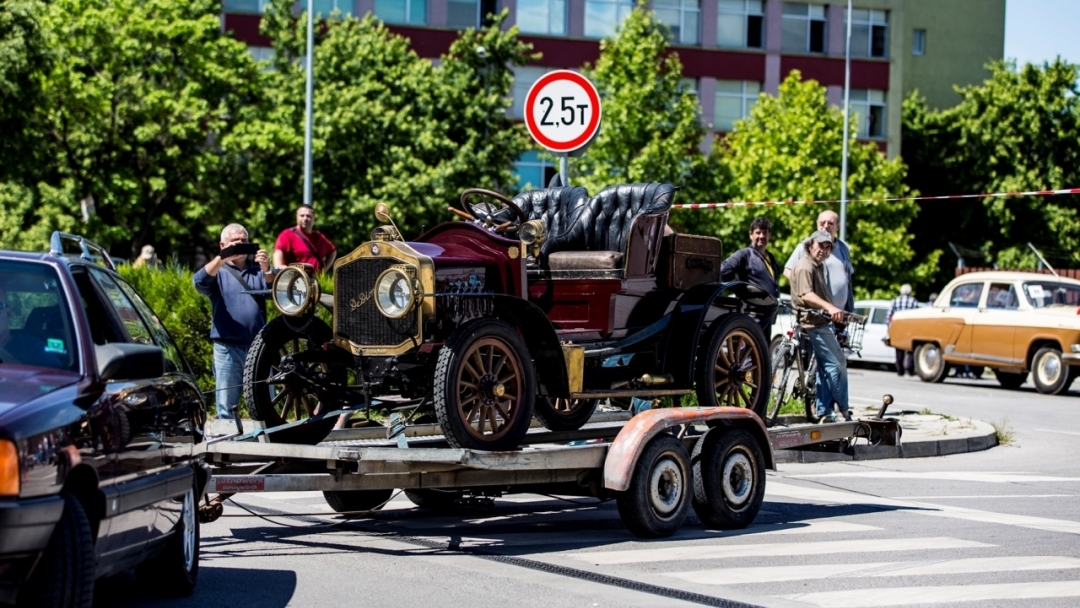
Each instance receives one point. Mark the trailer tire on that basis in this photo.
(658, 499)
(275, 340)
(494, 349)
(347, 501)
(436, 500)
(64, 575)
(558, 414)
(733, 369)
(729, 478)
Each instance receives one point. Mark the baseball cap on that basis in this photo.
(821, 236)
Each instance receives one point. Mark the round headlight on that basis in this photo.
(531, 232)
(394, 293)
(292, 291)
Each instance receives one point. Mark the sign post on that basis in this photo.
(562, 113)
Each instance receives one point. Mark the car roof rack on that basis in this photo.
(56, 247)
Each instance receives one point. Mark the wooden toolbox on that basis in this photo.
(687, 260)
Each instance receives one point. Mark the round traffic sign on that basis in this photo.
(562, 111)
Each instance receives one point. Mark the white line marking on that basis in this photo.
(942, 476)
(777, 489)
(820, 526)
(1059, 432)
(877, 545)
(981, 496)
(937, 595)
(739, 576)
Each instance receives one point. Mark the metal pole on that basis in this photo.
(564, 170)
(308, 100)
(847, 101)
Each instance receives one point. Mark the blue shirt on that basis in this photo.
(237, 316)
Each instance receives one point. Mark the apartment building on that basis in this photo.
(731, 50)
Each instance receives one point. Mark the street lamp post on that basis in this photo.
(308, 100)
(847, 113)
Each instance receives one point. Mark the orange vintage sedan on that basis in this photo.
(1015, 323)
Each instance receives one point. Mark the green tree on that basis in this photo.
(389, 126)
(23, 57)
(651, 130)
(28, 215)
(790, 148)
(1017, 131)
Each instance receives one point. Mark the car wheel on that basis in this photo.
(438, 500)
(558, 414)
(347, 501)
(1011, 380)
(175, 570)
(929, 363)
(281, 402)
(64, 576)
(485, 387)
(733, 369)
(1049, 372)
(656, 503)
(729, 478)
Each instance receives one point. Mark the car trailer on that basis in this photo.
(657, 465)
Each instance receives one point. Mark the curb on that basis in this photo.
(984, 438)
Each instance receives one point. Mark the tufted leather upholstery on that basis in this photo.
(605, 223)
(558, 207)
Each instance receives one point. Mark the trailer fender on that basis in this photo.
(689, 316)
(543, 343)
(628, 445)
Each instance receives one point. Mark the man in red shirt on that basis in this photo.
(303, 244)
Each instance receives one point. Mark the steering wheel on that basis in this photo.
(485, 212)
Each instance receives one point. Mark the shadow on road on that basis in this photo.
(217, 587)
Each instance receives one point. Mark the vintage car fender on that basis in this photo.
(688, 320)
(632, 439)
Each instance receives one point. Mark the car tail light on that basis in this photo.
(9, 469)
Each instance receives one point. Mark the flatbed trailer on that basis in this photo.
(657, 465)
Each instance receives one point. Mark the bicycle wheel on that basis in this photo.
(809, 392)
(783, 380)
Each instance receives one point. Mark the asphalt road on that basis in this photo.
(994, 528)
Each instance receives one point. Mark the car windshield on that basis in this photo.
(35, 321)
(1044, 294)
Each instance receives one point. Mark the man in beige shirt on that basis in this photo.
(810, 290)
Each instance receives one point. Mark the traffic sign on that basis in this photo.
(562, 111)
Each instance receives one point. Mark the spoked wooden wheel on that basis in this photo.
(732, 370)
(277, 400)
(558, 414)
(484, 387)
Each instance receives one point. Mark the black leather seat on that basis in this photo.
(558, 207)
(598, 239)
(44, 322)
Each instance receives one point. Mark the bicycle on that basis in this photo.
(794, 372)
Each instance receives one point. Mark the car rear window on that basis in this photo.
(36, 328)
(1043, 294)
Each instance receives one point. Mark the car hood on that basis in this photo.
(21, 384)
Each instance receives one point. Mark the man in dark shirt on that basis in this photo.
(755, 264)
(237, 316)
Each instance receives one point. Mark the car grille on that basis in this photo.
(356, 317)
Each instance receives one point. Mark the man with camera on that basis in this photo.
(237, 317)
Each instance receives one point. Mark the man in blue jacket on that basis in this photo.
(236, 316)
(756, 264)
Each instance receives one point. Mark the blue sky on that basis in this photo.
(1039, 30)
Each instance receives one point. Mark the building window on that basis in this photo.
(533, 171)
(254, 7)
(868, 112)
(462, 14)
(401, 11)
(325, 7)
(803, 28)
(682, 16)
(603, 17)
(918, 42)
(734, 98)
(741, 24)
(542, 17)
(261, 53)
(524, 77)
(869, 33)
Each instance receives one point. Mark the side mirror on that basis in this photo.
(123, 361)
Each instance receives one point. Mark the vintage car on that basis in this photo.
(542, 304)
(99, 419)
(1015, 323)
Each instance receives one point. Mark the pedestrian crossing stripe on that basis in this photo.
(947, 594)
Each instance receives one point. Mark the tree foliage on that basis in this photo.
(790, 148)
(23, 56)
(1016, 131)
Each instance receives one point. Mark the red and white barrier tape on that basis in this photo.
(877, 200)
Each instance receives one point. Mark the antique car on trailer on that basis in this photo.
(543, 304)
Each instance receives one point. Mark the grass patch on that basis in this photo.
(1004, 431)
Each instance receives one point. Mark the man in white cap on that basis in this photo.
(905, 359)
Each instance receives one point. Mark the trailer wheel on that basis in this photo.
(558, 414)
(64, 575)
(658, 499)
(283, 402)
(484, 387)
(733, 370)
(345, 501)
(729, 478)
(437, 500)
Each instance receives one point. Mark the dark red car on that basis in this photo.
(99, 419)
(543, 304)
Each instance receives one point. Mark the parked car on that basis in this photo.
(552, 300)
(99, 416)
(876, 330)
(1015, 323)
